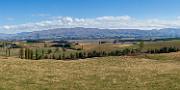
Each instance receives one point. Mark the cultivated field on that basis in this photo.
(104, 73)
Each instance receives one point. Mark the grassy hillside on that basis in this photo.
(106, 73)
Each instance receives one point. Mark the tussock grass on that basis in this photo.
(105, 73)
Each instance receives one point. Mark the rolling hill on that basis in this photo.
(93, 33)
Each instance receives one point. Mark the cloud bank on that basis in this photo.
(109, 22)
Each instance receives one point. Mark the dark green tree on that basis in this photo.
(141, 46)
(36, 54)
(21, 53)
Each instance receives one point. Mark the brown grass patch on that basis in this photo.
(106, 73)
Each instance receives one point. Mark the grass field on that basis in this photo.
(160, 44)
(105, 73)
(103, 47)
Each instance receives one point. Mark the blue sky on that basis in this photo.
(17, 12)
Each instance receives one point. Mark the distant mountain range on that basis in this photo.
(93, 33)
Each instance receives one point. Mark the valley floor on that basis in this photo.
(105, 73)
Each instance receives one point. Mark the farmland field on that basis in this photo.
(159, 44)
(104, 73)
(48, 69)
(89, 45)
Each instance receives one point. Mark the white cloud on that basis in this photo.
(178, 17)
(121, 22)
(112, 18)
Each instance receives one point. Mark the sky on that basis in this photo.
(33, 15)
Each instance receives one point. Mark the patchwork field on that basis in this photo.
(104, 73)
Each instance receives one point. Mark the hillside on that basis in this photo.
(106, 73)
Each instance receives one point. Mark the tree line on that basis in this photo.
(37, 54)
(163, 50)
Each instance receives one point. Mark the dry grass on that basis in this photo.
(160, 44)
(174, 56)
(103, 47)
(107, 73)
